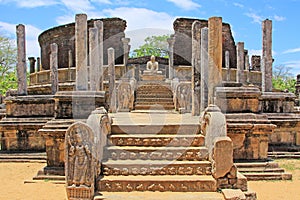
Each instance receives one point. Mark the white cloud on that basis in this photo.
(31, 32)
(78, 6)
(185, 4)
(138, 18)
(238, 5)
(102, 1)
(255, 52)
(279, 18)
(31, 3)
(294, 65)
(255, 18)
(296, 50)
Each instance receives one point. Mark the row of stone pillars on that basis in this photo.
(207, 62)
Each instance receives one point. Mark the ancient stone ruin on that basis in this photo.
(109, 123)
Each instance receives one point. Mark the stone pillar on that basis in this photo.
(171, 42)
(112, 79)
(256, 63)
(54, 68)
(227, 65)
(247, 67)
(32, 61)
(70, 55)
(81, 52)
(21, 58)
(38, 64)
(126, 50)
(267, 59)
(214, 56)
(204, 69)
(196, 61)
(94, 60)
(99, 25)
(240, 65)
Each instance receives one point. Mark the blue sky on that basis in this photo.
(156, 17)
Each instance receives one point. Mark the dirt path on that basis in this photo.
(12, 176)
(280, 190)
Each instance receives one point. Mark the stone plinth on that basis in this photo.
(30, 106)
(238, 99)
(148, 76)
(77, 104)
(278, 102)
(287, 132)
(21, 134)
(249, 134)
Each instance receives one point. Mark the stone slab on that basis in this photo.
(230, 194)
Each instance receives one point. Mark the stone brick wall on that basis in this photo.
(64, 37)
(183, 41)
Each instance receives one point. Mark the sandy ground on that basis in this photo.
(12, 176)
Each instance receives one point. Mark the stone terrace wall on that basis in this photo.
(64, 37)
(183, 41)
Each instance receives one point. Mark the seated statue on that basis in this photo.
(152, 66)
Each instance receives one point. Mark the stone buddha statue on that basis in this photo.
(152, 66)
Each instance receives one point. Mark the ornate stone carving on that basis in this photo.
(183, 97)
(80, 171)
(125, 97)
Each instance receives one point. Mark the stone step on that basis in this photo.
(157, 129)
(261, 170)
(157, 183)
(156, 153)
(157, 140)
(50, 178)
(160, 100)
(150, 167)
(148, 195)
(148, 107)
(23, 157)
(256, 165)
(154, 95)
(267, 176)
(283, 155)
(164, 104)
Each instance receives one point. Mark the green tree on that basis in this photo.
(283, 78)
(8, 60)
(154, 45)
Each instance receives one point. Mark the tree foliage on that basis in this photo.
(154, 45)
(283, 78)
(8, 60)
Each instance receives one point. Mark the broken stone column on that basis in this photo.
(21, 58)
(196, 61)
(204, 69)
(112, 79)
(227, 65)
(54, 68)
(32, 61)
(240, 62)
(214, 56)
(38, 64)
(247, 67)
(267, 59)
(126, 47)
(81, 52)
(171, 42)
(99, 25)
(256, 63)
(70, 55)
(222, 157)
(94, 60)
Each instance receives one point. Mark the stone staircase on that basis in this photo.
(154, 95)
(142, 159)
(257, 171)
